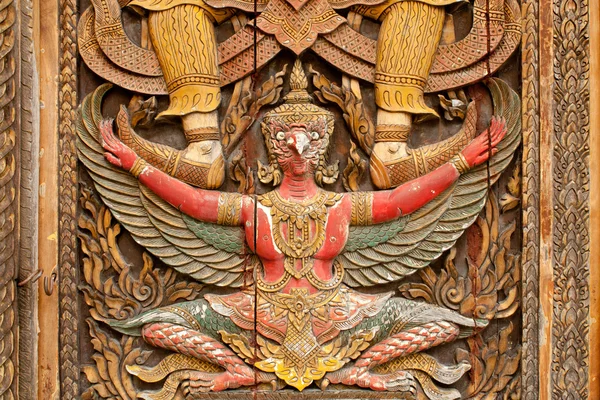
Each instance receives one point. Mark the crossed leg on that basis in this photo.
(192, 343)
(410, 341)
(191, 329)
(405, 327)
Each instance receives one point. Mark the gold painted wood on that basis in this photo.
(594, 375)
(538, 56)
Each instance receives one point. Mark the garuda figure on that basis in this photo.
(299, 255)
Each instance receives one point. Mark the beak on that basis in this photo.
(300, 142)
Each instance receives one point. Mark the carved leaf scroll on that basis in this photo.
(245, 105)
(510, 200)
(109, 376)
(354, 171)
(493, 365)
(113, 290)
(240, 172)
(359, 123)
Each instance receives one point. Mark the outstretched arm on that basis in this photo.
(412, 195)
(197, 203)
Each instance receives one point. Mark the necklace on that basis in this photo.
(301, 241)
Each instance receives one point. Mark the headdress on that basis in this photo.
(298, 108)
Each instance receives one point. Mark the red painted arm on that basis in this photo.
(411, 196)
(197, 203)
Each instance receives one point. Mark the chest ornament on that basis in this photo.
(304, 222)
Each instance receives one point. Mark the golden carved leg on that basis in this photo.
(408, 39)
(184, 40)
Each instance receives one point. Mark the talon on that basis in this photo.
(216, 382)
(399, 381)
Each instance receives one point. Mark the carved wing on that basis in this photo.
(209, 253)
(390, 251)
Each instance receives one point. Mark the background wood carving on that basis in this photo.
(67, 237)
(570, 329)
(571, 213)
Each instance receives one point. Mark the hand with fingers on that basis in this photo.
(478, 151)
(117, 153)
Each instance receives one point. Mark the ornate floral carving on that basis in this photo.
(113, 291)
(491, 287)
(489, 290)
(571, 216)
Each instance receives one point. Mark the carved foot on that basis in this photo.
(202, 382)
(398, 381)
(393, 162)
(201, 164)
(199, 381)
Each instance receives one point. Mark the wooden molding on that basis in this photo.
(594, 316)
(560, 215)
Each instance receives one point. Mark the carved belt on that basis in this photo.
(307, 272)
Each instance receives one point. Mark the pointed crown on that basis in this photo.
(298, 106)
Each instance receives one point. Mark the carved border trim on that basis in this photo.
(530, 252)
(571, 220)
(67, 209)
(9, 237)
(28, 201)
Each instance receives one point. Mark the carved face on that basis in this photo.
(298, 147)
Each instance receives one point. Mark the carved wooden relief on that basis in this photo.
(313, 199)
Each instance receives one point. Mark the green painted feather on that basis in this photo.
(361, 237)
(226, 238)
